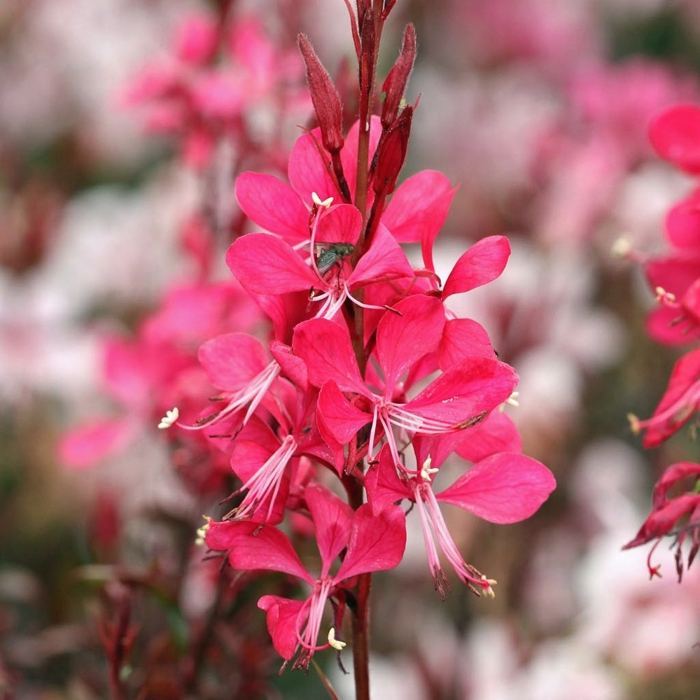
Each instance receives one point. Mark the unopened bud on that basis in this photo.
(397, 79)
(391, 153)
(324, 97)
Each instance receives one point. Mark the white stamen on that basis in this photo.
(512, 400)
(325, 203)
(169, 418)
(335, 643)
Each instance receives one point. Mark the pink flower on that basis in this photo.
(679, 403)
(502, 488)
(369, 543)
(460, 396)
(675, 517)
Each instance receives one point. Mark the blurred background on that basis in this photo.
(121, 134)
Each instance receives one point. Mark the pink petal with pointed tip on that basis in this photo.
(461, 339)
(332, 522)
(466, 390)
(266, 264)
(377, 542)
(307, 170)
(481, 264)
(385, 260)
(232, 360)
(338, 415)
(256, 547)
(83, 447)
(282, 623)
(675, 134)
(274, 205)
(327, 351)
(419, 207)
(405, 337)
(503, 488)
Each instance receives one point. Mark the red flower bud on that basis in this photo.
(395, 83)
(391, 153)
(325, 98)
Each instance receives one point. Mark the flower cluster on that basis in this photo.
(367, 382)
(675, 279)
(330, 364)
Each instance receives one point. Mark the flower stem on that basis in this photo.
(360, 638)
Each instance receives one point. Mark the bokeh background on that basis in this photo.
(539, 110)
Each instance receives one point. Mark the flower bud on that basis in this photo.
(325, 98)
(397, 79)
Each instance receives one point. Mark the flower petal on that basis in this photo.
(327, 351)
(480, 264)
(377, 542)
(332, 521)
(675, 134)
(256, 547)
(405, 337)
(283, 623)
(232, 360)
(503, 488)
(263, 264)
(273, 205)
(466, 390)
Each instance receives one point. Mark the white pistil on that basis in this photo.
(169, 418)
(321, 203)
(426, 471)
(335, 643)
(202, 532)
(512, 400)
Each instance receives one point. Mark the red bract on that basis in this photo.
(369, 543)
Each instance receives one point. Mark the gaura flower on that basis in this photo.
(369, 542)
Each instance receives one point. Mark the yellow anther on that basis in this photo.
(663, 295)
(635, 424)
(202, 531)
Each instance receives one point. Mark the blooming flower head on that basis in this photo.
(367, 543)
